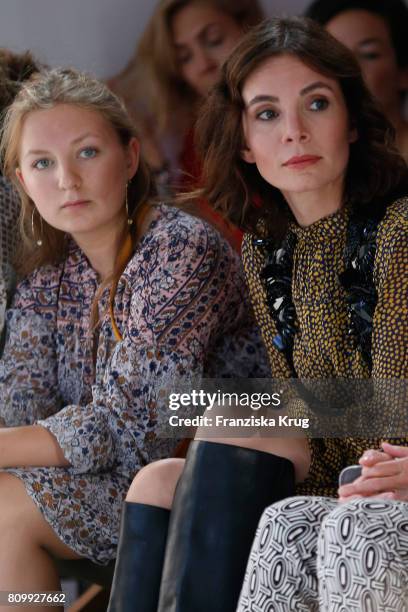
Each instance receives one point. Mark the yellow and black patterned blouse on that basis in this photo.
(322, 347)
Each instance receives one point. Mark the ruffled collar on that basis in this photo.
(325, 228)
(357, 278)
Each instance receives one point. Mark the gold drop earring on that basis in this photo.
(39, 239)
(129, 219)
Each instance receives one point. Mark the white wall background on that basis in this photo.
(94, 35)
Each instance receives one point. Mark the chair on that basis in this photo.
(96, 597)
(86, 570)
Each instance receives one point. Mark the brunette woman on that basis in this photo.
(120, 299)
(375, 30)
(325, 256)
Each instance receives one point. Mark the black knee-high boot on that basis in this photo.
(219, 500)
(139, 561)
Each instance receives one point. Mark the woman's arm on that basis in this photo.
(29, 368)
(29, 446)
(186, 289)
(390, 364)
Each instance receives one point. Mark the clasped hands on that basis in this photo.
(384, 475)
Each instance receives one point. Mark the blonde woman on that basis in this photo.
(120, 297)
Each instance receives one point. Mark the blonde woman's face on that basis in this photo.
(203, 37)
(75, 169)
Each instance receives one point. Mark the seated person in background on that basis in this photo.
(326, 259)
(376, 32)
(120, 298)
(177, 61)
(14, 69)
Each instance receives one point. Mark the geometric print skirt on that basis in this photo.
(314, 554)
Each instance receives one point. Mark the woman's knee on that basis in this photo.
(18, 513)
(155, 484)
(291, 521)
(365, 520)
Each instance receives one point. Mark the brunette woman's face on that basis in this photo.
(296, 128)
(368, 36)
(75, 169)
(203, 38)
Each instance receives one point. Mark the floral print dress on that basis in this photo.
(181, 308)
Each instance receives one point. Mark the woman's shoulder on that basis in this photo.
(392, 243)
(40, 287)
(394, 225)
(175, 235)
(174, 220)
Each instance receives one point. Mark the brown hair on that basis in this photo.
(154, 70)
(236, 188)
(14, 69)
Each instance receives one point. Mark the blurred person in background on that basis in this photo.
(176, 62)
(14, 69)
(376, 31)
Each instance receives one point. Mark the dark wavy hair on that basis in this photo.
(394, 13)
(15, 68)
(375, 171)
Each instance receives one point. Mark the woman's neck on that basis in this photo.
(101, 248)
(308, 207)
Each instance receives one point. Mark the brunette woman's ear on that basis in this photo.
(247, 155)
(246, 151)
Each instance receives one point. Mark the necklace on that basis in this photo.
(357, 280)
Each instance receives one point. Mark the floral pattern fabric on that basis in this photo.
(181, 309)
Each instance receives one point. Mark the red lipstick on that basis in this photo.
(301, 161)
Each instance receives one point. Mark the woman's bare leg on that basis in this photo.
(155, 484)
(26, 544)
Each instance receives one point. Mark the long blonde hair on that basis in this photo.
(44, 91)
(153, 69)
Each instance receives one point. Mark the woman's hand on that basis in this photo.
(384, 475)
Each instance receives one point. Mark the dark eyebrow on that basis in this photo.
(369, 41)
(263, 98)
(316, 85)
(303, 92)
